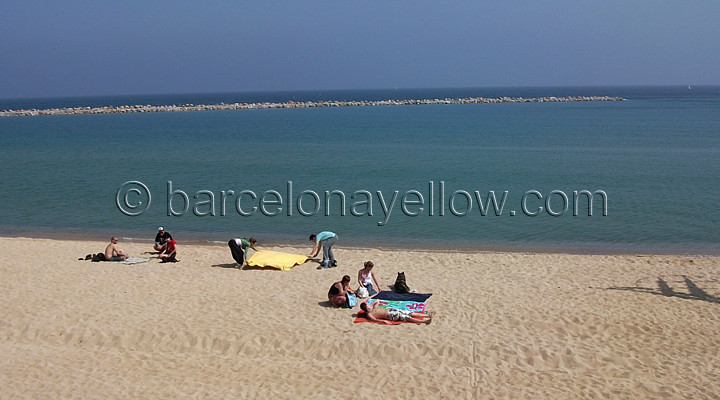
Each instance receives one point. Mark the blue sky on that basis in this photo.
(84, 48)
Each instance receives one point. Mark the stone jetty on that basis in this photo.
(293, 104)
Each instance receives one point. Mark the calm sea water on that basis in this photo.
(655, 156)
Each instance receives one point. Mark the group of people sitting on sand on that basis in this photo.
(165, 245)
(339, 290)
(366, 279)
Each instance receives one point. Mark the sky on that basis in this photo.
(87, 48)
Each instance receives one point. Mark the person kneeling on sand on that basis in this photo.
(113, 253)
(385, 315)
(338, 290)
(170, 252)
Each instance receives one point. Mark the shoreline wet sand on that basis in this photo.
(194, 239)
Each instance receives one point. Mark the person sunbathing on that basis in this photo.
(113, 252)
(385, 315)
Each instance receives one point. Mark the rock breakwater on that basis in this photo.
(293, 104)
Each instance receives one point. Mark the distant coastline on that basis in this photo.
(126, 109)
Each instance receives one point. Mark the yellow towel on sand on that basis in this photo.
(275, 259)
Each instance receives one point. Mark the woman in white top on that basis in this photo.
(366, 278)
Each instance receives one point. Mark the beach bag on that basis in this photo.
(362, 292)
(350, 300)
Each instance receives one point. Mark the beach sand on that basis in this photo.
(509, 325)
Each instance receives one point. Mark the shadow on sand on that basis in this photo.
(664, 289)
(245, 268)
(233, 266)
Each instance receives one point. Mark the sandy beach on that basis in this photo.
(509, 325)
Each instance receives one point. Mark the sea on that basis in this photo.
(638, 176)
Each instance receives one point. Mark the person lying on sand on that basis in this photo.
(377, 314)
(112, 252)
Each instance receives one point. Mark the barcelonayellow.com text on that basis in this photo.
(134, 198)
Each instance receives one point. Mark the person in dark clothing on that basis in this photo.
(161, 239)
(238, 247)
(338, 290)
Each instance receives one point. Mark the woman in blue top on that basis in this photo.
(326, 240)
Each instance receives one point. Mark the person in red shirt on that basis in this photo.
(170, 252)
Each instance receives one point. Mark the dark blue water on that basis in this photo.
(654, 156)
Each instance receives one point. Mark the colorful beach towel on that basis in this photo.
(275, 259)
(414, 306)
